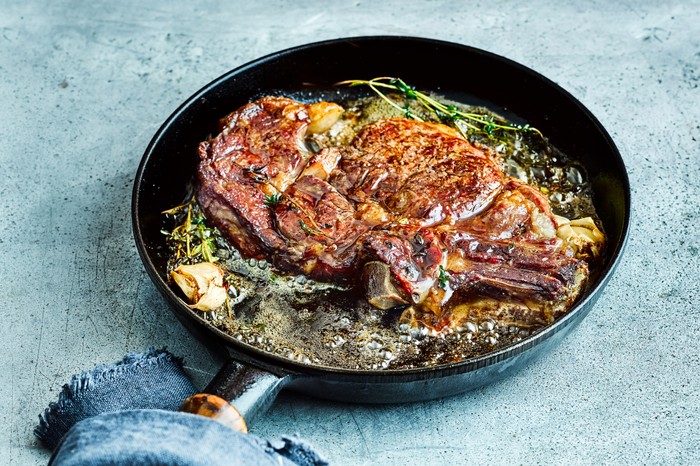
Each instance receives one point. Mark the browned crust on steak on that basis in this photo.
(459, 237)
(256, 153)
(418, 170)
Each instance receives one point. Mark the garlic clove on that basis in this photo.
(323, 115)
(588, 224)
(213, 299)
(202, 284)
(581, 234)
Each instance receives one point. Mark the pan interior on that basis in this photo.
(164, 178)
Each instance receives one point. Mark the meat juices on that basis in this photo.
(410, 211)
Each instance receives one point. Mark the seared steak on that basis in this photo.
(425, 171)
(259, 151)
(250, 188)
(415, 202)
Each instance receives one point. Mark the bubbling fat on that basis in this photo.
(326, 325)
(333, 326)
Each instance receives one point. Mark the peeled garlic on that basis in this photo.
(581, 234)
(202, 283)
(323, 115)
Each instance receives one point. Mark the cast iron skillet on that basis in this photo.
(252, 377)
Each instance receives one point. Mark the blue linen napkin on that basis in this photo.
(126, 413)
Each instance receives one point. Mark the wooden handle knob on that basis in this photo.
(216, 408)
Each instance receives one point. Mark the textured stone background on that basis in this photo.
(86, 84)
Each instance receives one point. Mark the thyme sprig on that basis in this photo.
(464, 122)
(192, 240)
(257, 172)
(309, 231)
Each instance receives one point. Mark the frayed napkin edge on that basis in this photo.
(80, 383)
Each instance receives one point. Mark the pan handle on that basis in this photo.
(237, 395)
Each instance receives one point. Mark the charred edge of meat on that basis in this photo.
(424, 217)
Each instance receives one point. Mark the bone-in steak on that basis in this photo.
(417, 202)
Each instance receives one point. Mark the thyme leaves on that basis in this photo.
(272, 200)
(306, 229)
(443, 278)
(465, 122)
(191, 240)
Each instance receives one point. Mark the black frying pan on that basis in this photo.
(252, 377)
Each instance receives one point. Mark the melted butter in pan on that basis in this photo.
(328, 325)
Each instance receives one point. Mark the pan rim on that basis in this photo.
(388, 375)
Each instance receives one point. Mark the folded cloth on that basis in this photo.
(151, 380)
(124, 413)
(158, 437)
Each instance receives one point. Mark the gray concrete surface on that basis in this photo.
(86, 84)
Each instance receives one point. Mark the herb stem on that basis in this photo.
(191, 238)
(188, 225)
(474, 122)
